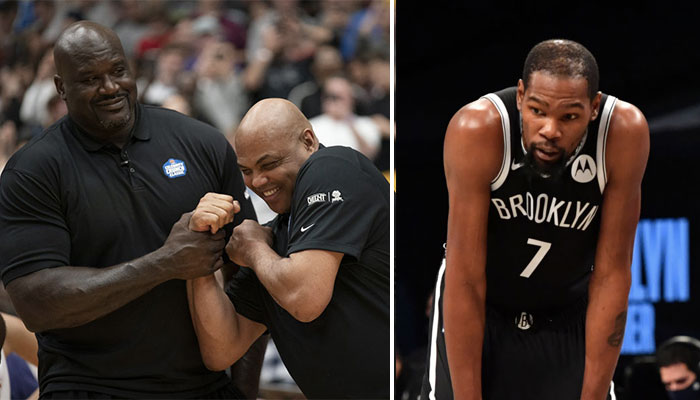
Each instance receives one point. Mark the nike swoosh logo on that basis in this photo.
(306, 228)
(515, 165)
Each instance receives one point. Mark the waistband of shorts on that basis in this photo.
(543, 318)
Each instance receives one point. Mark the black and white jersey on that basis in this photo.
(542, 232)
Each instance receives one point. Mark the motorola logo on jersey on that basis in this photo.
(583, 169)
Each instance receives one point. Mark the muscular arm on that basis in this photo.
(223, 334)
(472, 156)
(302, 283)
(627, 153)
(70, 296)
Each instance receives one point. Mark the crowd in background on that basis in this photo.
(213, 59)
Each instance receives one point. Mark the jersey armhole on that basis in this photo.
(605, 117)
(505, 128)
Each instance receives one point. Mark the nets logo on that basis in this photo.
(524, 321)
(174, 168)
(583, 169)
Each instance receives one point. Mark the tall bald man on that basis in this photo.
(88, 249)
(318, 276)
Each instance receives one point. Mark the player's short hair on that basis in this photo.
(679, 349)
(563, 58)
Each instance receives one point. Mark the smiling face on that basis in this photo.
(270, 166)
(272, 142)
(95, 82)
(555, 114)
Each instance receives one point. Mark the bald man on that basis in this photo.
(318, 276)
(94, 242)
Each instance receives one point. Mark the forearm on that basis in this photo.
(605, 327)
(289, 285)
(464, 319)
(66, 297)
(216, 323)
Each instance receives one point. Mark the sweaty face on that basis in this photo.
(555, 114)
(677, 376)
(270, 167)
(99, 90)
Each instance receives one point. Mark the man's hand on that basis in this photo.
(213, 212)
(245, 237)
(193, 254)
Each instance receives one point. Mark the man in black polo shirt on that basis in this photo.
(319, 278)
(89, 253)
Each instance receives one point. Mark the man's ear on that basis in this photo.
(595, 106)
(58, 81)
(519, 95)
(309, 139)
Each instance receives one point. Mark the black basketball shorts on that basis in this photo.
(525, 356)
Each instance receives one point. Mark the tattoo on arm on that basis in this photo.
(615, 339)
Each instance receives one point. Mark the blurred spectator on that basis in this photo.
(179, 103)
(229, 29)
(8, 13)
(378, 103)
(679, 366)
(282, 42)
(132, 24)
(307, 96)
(18, 368)
(339, 126)
(169, 67)
(8, 141)
(34, 109)
(104, 12)
(367, 30)
(219, 94)
(159, 30)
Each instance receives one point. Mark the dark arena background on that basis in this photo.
(449, 54)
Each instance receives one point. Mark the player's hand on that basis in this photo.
(213, 212)
(189, 254)
(245, 237)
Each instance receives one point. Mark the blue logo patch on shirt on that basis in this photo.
(174, 168)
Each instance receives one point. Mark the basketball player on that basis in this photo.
(544, 192)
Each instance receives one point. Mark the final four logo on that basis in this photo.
(583, 169)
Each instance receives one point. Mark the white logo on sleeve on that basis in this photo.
(306, 228)
(335, 196)
(583, 169)
(515, 165)
(316, 198)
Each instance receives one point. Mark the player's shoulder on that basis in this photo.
(334, 155)
(42, 152)
(339, 162)
(476, 118)
(628, 121)
(474, 140)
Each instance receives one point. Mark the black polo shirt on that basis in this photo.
(340, 203)
(68, 200)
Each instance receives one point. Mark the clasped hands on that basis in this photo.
(214, 211)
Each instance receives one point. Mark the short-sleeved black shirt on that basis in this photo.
(340, 203)
(68, 200)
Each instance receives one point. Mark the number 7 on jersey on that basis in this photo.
(537, 259)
